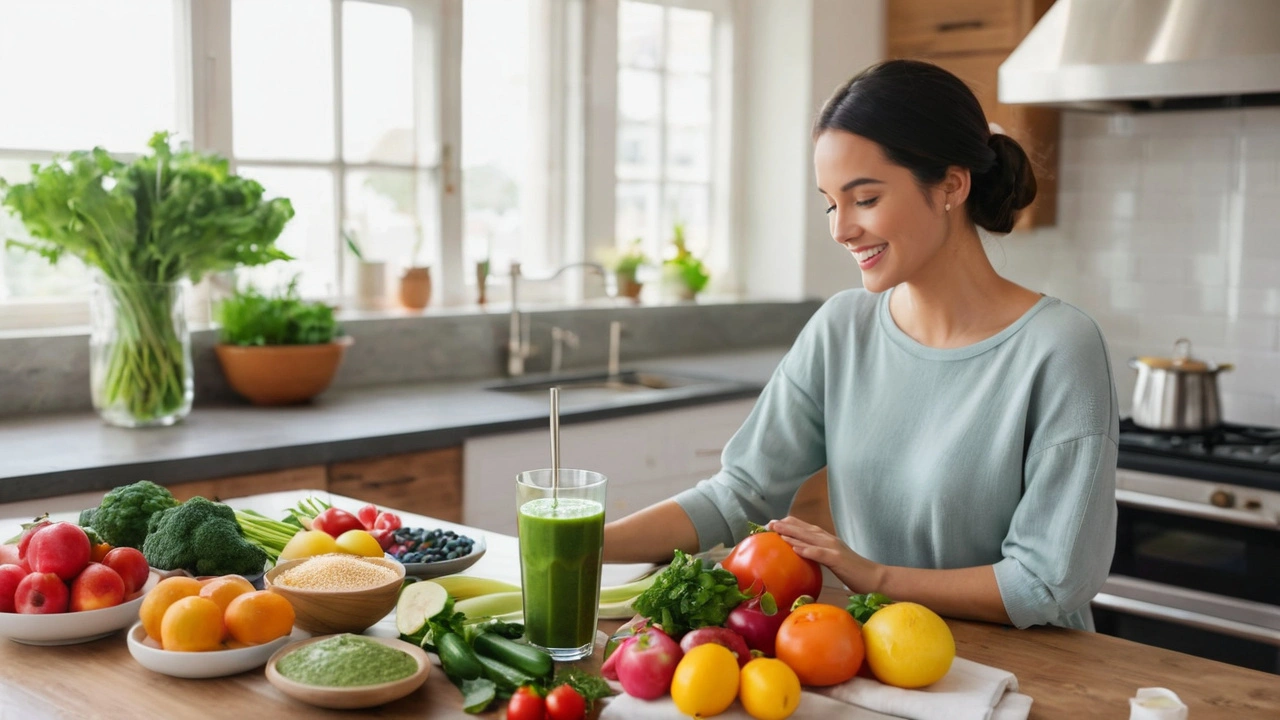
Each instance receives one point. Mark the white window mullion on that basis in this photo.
(448, 71)
(340, 175)
(600, 180)
(209, 75)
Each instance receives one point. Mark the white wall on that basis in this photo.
(793, 54)
(1169, 226)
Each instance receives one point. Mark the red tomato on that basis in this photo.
(336, 521)
(765, 557)
(564, 703)
(821, 643)
(526, 704)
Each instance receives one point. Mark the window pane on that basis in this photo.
(377, 83)
(310, 237)
(638, 92)
(637, 216)
(688, 100)
(639, 34)
(688, 155)
(382, 209)
(79, 73)
(27, 274)
(637, 152)
(495, 130)
(689, 40)
(282, 79)
(689, 205)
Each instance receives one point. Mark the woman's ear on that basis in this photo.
(955, 185)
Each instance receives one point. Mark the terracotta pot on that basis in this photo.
(628, 287)
(281, 374)
(415, 288)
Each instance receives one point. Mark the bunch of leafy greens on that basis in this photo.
(143, 226)
(862, 607)
(685, 596)
(249, 317)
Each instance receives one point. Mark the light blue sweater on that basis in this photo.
(999, 453)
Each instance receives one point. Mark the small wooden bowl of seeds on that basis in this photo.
(337, 593)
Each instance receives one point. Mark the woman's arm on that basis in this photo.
(650, 535)
(969, 593)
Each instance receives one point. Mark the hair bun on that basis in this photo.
(1004, 188)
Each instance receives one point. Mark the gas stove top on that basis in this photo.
(1243, 454)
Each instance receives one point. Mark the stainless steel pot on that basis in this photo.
(1178, 394)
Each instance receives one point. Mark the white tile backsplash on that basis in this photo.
(1168, 227)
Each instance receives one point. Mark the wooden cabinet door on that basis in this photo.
(919, 28)
(426, 483)
(312, 477)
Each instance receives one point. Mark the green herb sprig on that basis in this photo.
(251, 318)
(862, 607)
(685, 596)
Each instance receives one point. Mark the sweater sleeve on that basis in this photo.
(781, 444)
(1058, 550)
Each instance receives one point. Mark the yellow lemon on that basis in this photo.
(769, 689)
(359, 542)
(908, 645)
(706, 681)
(308, 543)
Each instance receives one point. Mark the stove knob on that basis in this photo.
(1222, 499)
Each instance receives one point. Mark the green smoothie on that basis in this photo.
(560, 554)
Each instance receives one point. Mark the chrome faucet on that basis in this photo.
(518, 347)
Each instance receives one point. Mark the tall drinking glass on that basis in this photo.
(561, 545)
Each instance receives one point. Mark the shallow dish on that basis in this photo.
(346, 698)
(212, 664)
(70, 628)
(428, 570)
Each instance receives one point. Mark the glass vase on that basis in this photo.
(139, 353)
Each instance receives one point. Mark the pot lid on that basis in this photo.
(1181, 360)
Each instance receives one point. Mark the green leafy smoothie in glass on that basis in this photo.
(560, 553)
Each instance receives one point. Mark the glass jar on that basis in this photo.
(140, 353)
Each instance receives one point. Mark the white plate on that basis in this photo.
(428, 570)
(212, 664)
(70, 628)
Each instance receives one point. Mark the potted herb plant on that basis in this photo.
(371, 276)
(147, 228)
(685, 271)
(625, 266)
(278, 349)
(415, 281)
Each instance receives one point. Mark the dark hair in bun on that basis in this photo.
(928, 120)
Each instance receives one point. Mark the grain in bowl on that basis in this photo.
(337, 573)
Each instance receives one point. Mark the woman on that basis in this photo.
(968, 424)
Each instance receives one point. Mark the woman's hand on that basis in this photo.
(813, 543)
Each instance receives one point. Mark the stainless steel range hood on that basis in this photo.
(1148, 54)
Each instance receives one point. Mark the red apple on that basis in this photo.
(9, 556)
(25, 540)
(132, 567)
(10, 577)
(41, 594)
(96, 587)
(61, 548)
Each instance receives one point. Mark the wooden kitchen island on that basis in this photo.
(1068, 673)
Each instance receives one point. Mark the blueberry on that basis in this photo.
(452, 555)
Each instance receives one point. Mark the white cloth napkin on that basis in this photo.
(969, 691)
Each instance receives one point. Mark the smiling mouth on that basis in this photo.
(865, 255)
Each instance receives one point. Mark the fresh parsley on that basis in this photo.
(686, 596)
(862, 607)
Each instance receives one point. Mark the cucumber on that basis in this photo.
(525, 658)
(457, 658)
(419, 603)
(504, 676)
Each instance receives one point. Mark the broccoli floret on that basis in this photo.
(122, 518)
(203, 537)
(86, 517)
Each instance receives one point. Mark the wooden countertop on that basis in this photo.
(1068, 673)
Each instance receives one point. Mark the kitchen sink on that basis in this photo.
(579, 389)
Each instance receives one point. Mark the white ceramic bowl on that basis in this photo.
(70, 628)
(440, 568)
(212, 664)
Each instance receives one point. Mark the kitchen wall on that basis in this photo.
(1169, 226)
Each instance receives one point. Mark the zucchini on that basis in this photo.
(457, 658)
(504, 676)
(525, 658)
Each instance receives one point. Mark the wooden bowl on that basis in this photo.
(346, 698)
(281, 374)
(337, 611)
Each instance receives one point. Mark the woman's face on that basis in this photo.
(876, 209)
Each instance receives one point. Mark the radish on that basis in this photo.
(646, 664)
(718, 636)
(610, 667)
(757, 621)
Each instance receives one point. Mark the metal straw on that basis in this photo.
(555, 446)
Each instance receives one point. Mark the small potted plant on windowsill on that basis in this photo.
(371, 276)
(415, 282)
(686, 272)
(625, 265)
(278, 349)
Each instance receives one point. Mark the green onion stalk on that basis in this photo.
(142, 368)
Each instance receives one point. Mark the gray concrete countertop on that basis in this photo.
(50, 455)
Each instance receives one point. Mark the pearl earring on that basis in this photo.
(947, 207)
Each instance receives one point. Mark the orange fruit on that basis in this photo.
(192, 624)
(821, 643)
(259, 617)
(225, 589)
(908, 645)
(165, 593)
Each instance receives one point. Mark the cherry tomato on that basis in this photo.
(564, 703)
(822, 643)
(764, 557)
(526, 704)
(387, 521)
(367, 515)
(336, 521)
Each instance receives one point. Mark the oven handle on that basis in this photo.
(1142, 608)
(1156, 503)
